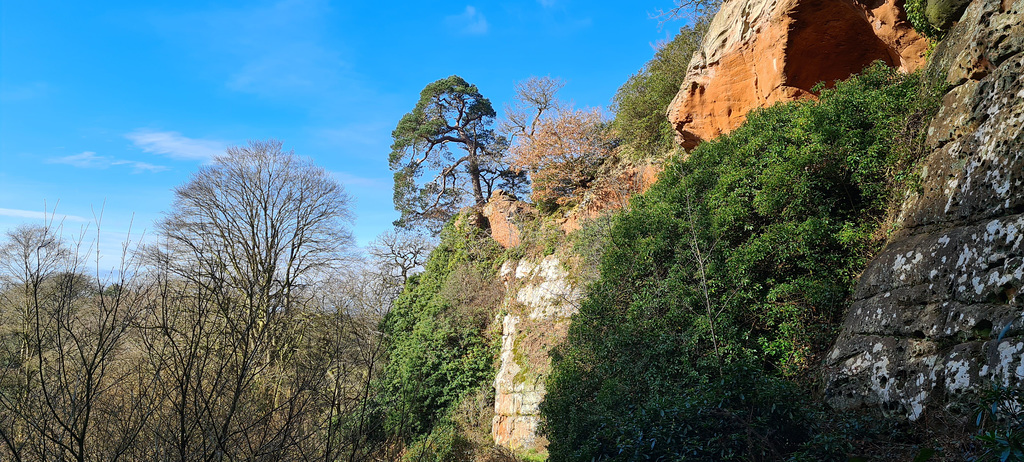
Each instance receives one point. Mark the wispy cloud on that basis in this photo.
(89, 159)
(547, 3)
(281, 50)
(175, 145)
(470, 22)
(39, 215)
(141, 166)
(362, 134)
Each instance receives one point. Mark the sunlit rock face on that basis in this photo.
(505, 214)
(938, 313)
(760, 52)
(540, 299)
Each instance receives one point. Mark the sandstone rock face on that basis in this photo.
(938, 312)
(504, 213)
(760, 52)
(539, 302)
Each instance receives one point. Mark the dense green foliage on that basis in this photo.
(438, 344)
(917, 18)
(728, 277)
(640, 104)
(1001, 416)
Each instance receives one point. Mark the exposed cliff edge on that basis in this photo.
(741, 67)
(938, 312)
(542, 293)
(616, 183)
(540, 299)
(760, 52)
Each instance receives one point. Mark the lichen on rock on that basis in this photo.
(940, 305)
(540, 299)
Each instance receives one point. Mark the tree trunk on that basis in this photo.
(474, 178)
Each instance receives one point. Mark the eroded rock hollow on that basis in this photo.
(760, 52)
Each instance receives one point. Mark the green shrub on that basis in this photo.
(442, 444)
(640, 104)
(589, 244)
(917, 18)
(744, 254)
(743, 415)
(438, 347)
(1001, 417)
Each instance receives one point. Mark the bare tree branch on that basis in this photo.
(686, 10)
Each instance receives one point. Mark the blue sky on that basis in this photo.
(109, 105)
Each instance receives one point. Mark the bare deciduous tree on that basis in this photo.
(67, 388)
(401, 253)
(248, 239)
(560, 146)
(244, 340)
(258, 222)
(535, 96)
(563, 154)
(686, 9)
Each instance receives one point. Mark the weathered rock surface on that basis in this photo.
(539, 302)
(760, 52)
(505, 215)
(938, 312)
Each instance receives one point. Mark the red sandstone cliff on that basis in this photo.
(760, 52)
(757, 52)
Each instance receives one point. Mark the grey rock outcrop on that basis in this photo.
(540, 299)
(938, 312)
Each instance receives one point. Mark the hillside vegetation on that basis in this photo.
(724, 284)
(719, 291)
(709, 302)
(440, 346)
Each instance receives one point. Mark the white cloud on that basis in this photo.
(39, 215)
(89, 159)
(470, 22)
(176, 146)
(139, 167)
